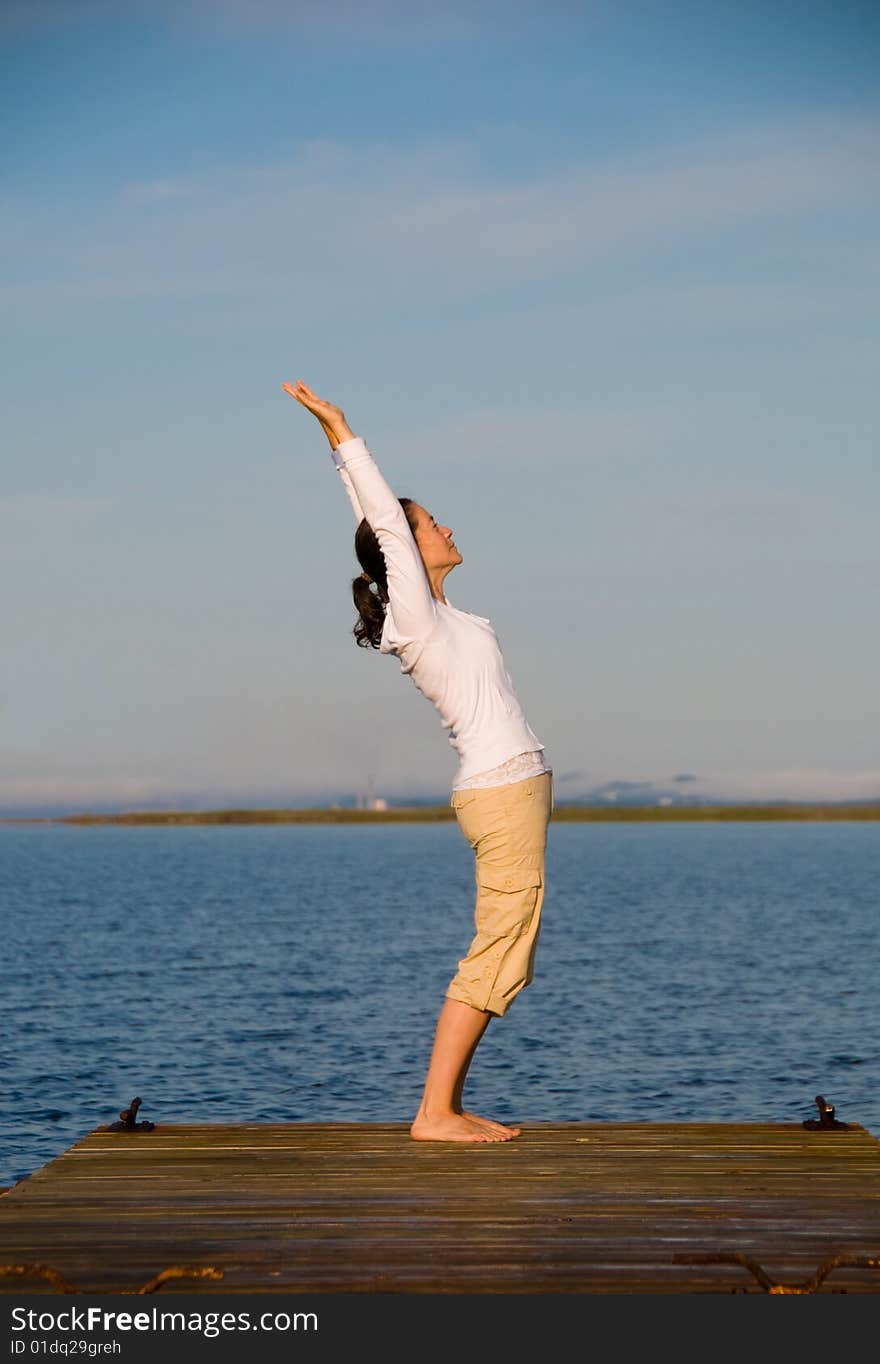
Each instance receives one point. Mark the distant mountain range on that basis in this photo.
(678, 791)
(648, 793)
(633, 794)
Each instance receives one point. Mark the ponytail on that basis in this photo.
(369, 603)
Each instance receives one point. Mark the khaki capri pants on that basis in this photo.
(507, 828)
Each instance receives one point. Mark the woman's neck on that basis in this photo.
(435, 578)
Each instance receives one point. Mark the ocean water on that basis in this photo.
(685, 972)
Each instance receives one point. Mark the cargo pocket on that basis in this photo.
(507, 899)
(508, 879)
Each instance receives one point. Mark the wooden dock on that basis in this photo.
(360, 1208)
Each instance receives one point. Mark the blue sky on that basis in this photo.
(597, 283)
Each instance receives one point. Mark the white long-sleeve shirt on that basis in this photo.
(452, 656)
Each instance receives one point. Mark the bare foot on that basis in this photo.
(490, 1126)
(451, 1127)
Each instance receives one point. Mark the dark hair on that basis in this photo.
(371, 605)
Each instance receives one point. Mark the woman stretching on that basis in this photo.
(503, 790)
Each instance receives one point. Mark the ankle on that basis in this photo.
(433, 1111)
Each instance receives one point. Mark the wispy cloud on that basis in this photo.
(754, 512)
(829, 289)
(522, 435)
(428, 222)
(385, 23)
(393, 23)
(27, 16)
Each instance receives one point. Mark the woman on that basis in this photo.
(503, 790)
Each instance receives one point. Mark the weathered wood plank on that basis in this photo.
(346, 1207)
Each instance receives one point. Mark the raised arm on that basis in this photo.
(336, 429)
(350, 490)
(413, 607)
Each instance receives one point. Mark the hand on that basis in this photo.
(332, 418)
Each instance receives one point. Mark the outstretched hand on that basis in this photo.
(332, 418)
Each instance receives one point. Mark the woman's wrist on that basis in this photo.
(336, 432)
(342, 431)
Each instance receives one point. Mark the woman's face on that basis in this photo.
(435, 542)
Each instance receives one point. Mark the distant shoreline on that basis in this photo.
(430, 814)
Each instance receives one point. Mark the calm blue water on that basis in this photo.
(685, 972)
